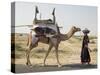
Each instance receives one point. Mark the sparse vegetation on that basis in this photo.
(69, 50)
(79, 38)
(92, 42)
(18, 48)
(95, 50)
(92, 37)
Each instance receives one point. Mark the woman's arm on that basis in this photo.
(88, 48)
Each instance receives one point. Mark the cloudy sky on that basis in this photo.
(66, 16)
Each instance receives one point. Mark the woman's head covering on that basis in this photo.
(86, 31)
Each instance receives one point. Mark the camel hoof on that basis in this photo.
(59, 65)
(28, 64)
(44, 64)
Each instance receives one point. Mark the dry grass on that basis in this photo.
(69, 51)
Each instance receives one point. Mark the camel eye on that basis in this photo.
(74, 27)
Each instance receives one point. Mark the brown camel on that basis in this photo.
(53, 42)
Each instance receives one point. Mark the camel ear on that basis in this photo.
(74, 27)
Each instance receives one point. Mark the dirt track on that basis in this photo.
(25, 69)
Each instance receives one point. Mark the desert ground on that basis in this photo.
(69, 55)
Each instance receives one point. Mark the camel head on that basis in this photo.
(75, 29)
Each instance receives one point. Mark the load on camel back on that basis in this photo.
(44, 28)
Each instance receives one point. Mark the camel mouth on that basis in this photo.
(78, 29)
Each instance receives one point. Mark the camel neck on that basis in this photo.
(68, 35)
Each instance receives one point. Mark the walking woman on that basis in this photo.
(85, 56)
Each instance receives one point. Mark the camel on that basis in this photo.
(53, 42)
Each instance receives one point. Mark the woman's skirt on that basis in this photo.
(85, 56)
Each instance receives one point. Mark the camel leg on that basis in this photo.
(29, 48)
(57, 57)
(55, 43)
(30, 45)
(28, 53)
(28, 56)
(50, 47)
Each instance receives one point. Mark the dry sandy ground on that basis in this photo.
(69, 56)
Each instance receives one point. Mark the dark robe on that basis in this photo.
(85, 56)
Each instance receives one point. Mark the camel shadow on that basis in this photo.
(20, 68)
